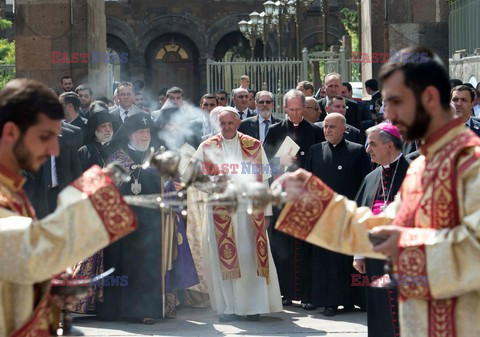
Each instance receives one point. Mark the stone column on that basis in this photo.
(390, 25)
(62, 37)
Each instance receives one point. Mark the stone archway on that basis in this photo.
(172, 60)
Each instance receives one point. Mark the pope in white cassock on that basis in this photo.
(242, 278)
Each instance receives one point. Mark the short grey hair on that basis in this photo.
(292, 93)
(385, 137)
(235, 91)
(263, 93)
(333, 75)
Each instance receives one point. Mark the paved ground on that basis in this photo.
(293, 321)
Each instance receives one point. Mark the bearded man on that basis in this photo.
(431, 230)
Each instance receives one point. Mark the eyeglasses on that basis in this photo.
(265, 102)
(209, 104)
(221, 98)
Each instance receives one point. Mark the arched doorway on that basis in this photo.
(173, 62)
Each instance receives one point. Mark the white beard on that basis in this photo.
(103, 137)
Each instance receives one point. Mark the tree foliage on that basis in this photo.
(350, 20)
(7, 55)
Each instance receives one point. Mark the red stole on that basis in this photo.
(438, 176)
(226, 244)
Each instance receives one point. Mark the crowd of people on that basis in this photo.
(327, 149)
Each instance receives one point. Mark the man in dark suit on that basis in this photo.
(125, 95)
(463, 99)
(292, 257)
(71, 106)
(201, 126)
(240, 102)
(366, 117)
(333, 87)
(352, 134)
(371, 86)
(257, 126)
(342, 165)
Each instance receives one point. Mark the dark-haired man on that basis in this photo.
(71, 104)
(431, 229)
(125, 94)
(371, 87)
(33, 250)
(85, 94)
(463, 98)
(67, 83)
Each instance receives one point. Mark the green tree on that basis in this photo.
(7, 55)
(351, 22)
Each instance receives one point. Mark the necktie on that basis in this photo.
(267, 123)
(241, 114)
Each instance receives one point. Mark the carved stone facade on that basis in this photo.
(169, 42)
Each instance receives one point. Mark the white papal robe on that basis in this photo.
(250, 294)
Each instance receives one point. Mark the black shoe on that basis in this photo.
(224, 318)
(308, 306)
(330, 311)
(253, 318)
(286, 302)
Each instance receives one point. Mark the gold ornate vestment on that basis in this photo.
(437, 267)
(90, 215)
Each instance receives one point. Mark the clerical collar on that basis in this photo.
(339, 143)
(388, 165)
(293, 122)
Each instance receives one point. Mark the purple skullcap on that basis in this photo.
(390, 128)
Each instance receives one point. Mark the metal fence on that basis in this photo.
(276, 76)
(7, 73)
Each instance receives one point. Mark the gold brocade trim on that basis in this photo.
(300, 216)
(412, 265)
(37, 325)
(441, 318)
(227, 247)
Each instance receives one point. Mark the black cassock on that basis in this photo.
(382, 304)
(343, 168)
(92, 154)
(138, 255)
(291, 256)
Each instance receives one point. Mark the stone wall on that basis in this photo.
(466, 68)
(47, 27)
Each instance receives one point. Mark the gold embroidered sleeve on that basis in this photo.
(329, 220)
(90, 215)
(452, 254)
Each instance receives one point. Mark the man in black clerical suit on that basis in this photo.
(292, 256)
(257, 126)
(333, 87)
(342, 165)
(378, 190)
(240, 102)
(352, 134)
(463, 99)
(97, 136)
